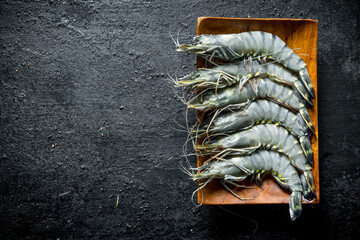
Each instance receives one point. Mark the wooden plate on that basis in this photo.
(300, 35)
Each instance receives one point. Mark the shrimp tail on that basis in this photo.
(305, 78)
(307, 149)
(307, 119)
(306, 130)
(295, 205)
(307, 182)
(303, 93)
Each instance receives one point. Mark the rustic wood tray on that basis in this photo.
(299, 34)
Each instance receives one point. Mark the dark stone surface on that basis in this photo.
(68, 148)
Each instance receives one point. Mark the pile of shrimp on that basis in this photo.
(252, 113)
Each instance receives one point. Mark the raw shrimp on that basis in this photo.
(257, 164)
(258, 88)
(240, 72)
(229, 47)
(258, 112)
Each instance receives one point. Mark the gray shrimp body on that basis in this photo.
(229, 47)
(257, 164)
(253, 89)
(258, 112)
(268, 136)
(240, 71)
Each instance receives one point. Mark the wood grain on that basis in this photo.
(300, 35)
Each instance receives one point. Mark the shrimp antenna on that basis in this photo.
(189, 138)
(184, 169)
(178, 130)
(241, 216)
(183, 128)
(202, 195)
(177, 44)
(173, 80)
(182, 99)
(177, 37)
(178, 124)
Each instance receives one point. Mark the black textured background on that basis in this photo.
(68, 148)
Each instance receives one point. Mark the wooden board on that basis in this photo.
(300, 35)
